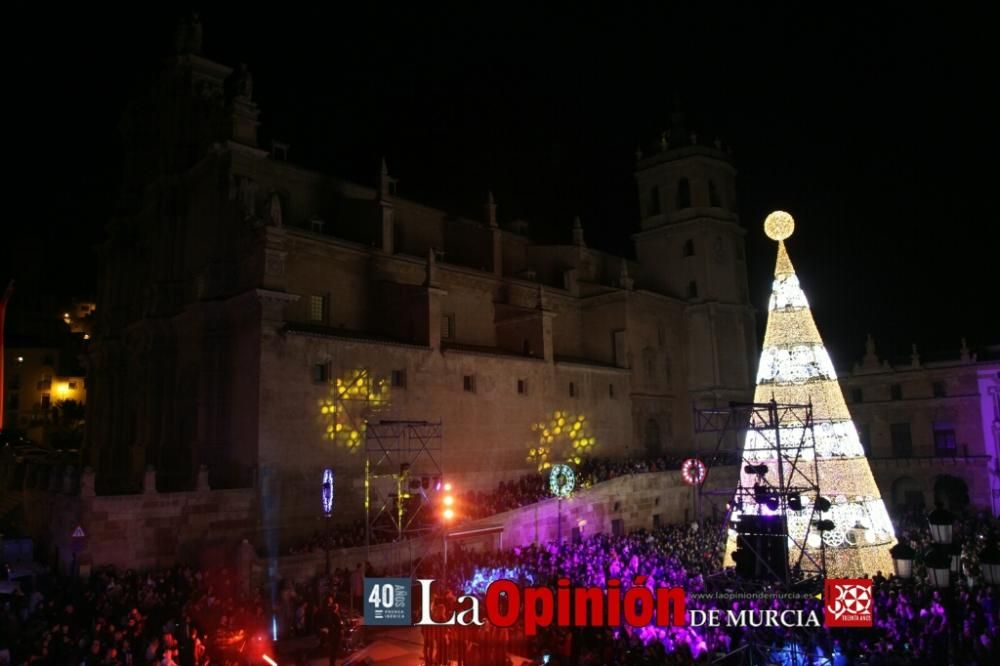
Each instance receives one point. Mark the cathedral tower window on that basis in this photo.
(683, 194)
(713, 195)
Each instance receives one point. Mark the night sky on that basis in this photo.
(874, 128)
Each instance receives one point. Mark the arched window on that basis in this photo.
(688, 248)
(651, 437)
(683, 194)
(713, 195)
(692, 289)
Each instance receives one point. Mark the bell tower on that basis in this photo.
(691, 246)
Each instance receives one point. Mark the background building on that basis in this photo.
(931, 428)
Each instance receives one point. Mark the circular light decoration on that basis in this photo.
(562, 480)
(327, 493)
(694, 471)
(779, 225)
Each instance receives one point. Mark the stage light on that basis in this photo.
(794, 501)
(447, 487)
(448, 514)
(824, 525)
(448, 500)
(822, 505)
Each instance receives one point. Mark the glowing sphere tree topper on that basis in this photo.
(779, 225)
(562, 480)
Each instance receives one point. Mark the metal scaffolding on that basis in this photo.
(773, 432)
(401, 468)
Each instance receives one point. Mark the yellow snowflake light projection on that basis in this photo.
(563, 438)
(352, 399)
(795, 368)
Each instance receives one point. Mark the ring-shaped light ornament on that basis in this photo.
(562, 480)
(694, 471)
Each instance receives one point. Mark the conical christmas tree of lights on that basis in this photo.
(796, 369)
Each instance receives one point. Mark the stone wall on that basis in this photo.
(634, 499)
(139, 531)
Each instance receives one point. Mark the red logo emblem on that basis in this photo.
(847, 602)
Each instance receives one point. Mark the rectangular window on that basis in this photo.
(944, 440)
(572, 390)
(46, 401)
(321, 373)
(902, 443)
(522, 387)
(577, 535)
(447, 326)
(317, 308)
(611, 390)
(865, 435)
(399, 378)
(939, 390)
(618, 527)
(896, 392)
(857, 395)
(469, 383)
(618, 348)
(656, 521)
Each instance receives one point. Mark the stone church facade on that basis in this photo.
(237, 287)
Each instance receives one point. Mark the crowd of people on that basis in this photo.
(180, 616)
(184, 616)
(914, 622)
(115, 618)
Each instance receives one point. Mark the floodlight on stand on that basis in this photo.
(823, 504)
(794, 501)
(772, 502)
(824, 525)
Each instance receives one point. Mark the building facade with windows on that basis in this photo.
(931, 428)
(35, 387)
(242, 294)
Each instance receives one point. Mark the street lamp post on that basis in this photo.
(902, 559)
(939, 560)
(989, 562)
